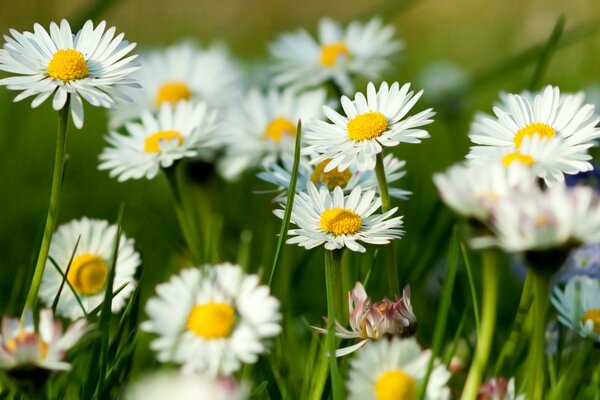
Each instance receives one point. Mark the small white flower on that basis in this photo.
(370, 123)
(90, 64)
(340, 221)
(546, 116)
(90, 268)
(338, 55)
(182, 72)
(46, 347)
(212, 319)
(393, 369)
(185, 130)
(263, 127)
(578, 306)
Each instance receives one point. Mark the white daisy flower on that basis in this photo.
(547, 116)
(212, 319)
(280, 173)
(90, 268)
(182, 72)
(578, 306)
(264, 127)
(45, 348)
(340, 221)
(175, 385)
(393, 369)
(182, 131)
(91, 64)
(370, 123)
(338, 55)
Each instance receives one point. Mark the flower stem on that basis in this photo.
(53, 208)
(488, 323)
(386, 206)
(336, 380)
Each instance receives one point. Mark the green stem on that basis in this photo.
(488, 323)
(53, 208)
(336, 380)
(536, 368)
(386, 206)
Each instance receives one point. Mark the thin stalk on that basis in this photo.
(53, 208)
(386, 206)
(488, 323)
(336, 380)
(471, 285)
(549, 48)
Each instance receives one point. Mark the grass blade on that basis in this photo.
(547, 52)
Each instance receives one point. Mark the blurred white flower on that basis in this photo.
(578, 306)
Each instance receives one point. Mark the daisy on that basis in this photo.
(24, 346)
(90, 269)
(182, 72)
(212, 319)
(339, 221)
(578, 306)
(338, 55)
(374, 321)
(91, 64)
(264, 127)
(182, 131)
(393, 369)
(370, 123)
(175, 385)
(499, 389)
(280, 173)
(547, 116)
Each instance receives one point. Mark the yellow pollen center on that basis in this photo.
(395, 385)
(172, 92)
(594, 316)
(211, 320)
(279, 127)
(68, 65)
(152, 142)
(87, 274)
(544, 131)
(24, 339)
(367, 126)
(331, 179)
(330, 53)
(340, 221)
(517, 157)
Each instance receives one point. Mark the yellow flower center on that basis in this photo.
(331, 179)
(367, 126)
(87, 274)
(172, 92)
(152, 142)
(395, 385)
(24, 339)
(340, 221)
(68, 65)
(544, 131)
(330, 53)
(211, 320)
(594, 316)
(279, 127)
(518, 157)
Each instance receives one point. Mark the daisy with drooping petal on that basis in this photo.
(264, 126)
(90, 269)
(22, 346)
(393, 369)
(182, 72)
(338, 55)
(91, 64)
(578, 306)
(280, 173)
(371, 123)
(338, 221)
(212, 319)
(547, 116)
(185, 130)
